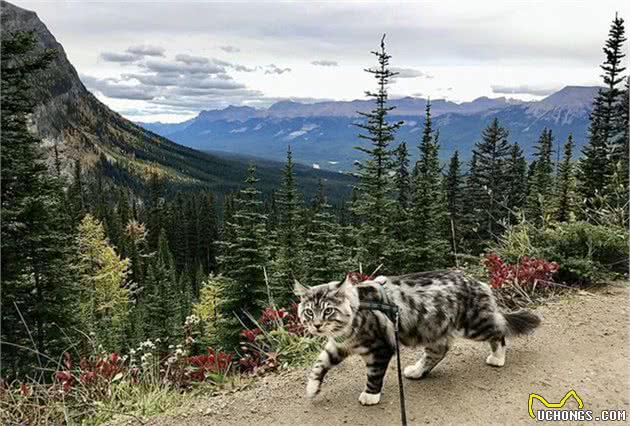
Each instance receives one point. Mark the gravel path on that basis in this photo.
(582, 345)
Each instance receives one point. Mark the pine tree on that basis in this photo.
(541, 190)
(39, 287)
(493, 152)
(288, 264)
(429, 217)
(156, 216)
(607, 122)
(373, 207)
(160, 296)
(400, 226)
(104, 296)
(565, 185)
(454, 184)
(208, 234)
(325, 254)
(516, 175)
(76, 195)
(242, 261)
(472, 198)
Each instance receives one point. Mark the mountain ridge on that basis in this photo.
(324, 134)
(75, 125)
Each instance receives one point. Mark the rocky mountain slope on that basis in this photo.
(323, 133)
(73, 121)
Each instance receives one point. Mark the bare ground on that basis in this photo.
(582, 345)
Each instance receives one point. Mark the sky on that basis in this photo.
(168, 60)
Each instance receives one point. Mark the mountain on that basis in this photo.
(74, 124)
(324, 134)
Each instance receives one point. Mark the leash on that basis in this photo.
(393, 314)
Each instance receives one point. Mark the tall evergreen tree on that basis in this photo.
(565, 184)
(38, 281)
(454, 185)
(607, 122)
(493, 152)
(76, 195)
(429, 243)
(373, 206)
(401, 224)
(288, 264)
(541, 190)
(242, 260)
(160, 298)
(325, 254)
(516, 175)
(156, 215)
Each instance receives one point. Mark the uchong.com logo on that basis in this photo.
(554, 411)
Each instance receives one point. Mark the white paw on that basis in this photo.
(495, 361)
(312, 388)
(413, 372)
(369, 398)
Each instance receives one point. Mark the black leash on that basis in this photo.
(393, 313)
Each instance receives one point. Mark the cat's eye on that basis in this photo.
(328, 312)
(308, 313)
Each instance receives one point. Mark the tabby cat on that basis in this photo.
(434, 307)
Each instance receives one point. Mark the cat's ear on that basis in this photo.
(298, 289)
(344, 284)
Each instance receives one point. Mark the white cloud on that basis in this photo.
(325, 63)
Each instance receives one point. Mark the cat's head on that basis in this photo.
(327, 309)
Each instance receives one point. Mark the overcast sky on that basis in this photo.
(168, 60)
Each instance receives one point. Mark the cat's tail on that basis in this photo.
(521, 322)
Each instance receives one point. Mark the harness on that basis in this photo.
(392, 312)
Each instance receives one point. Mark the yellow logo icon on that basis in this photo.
(560, 404)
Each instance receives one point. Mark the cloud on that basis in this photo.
(112, 88)
(189, 59)
(194, 67)
(230, 49)
(409, 73)
(146, 50)
(118, 57)
(274, 69)
(325, 63)
(522, 89)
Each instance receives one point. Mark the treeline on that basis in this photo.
(87, 263)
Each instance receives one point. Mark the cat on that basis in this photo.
(434, 307)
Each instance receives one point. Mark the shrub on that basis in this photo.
(527, 273)
(277, 340)
(586, 252)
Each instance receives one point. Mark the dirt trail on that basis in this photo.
(583, 345)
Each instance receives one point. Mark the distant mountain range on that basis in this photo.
(70, 118)
(323, 135)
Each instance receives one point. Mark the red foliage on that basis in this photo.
(256, 352)
(213, 362)
(357, 277)
(526, 273)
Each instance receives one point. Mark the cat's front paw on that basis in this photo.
(495, 361)
(369, 398)
(312, 388)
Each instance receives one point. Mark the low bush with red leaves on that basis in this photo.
(527, 273)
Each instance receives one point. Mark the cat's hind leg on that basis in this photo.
(433, 354)
(497, 357)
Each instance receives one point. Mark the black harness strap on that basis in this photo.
(393, 314)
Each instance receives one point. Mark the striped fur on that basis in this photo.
(434, 308)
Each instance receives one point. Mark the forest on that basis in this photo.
(146, 277)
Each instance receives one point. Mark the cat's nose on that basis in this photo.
(317, 326)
